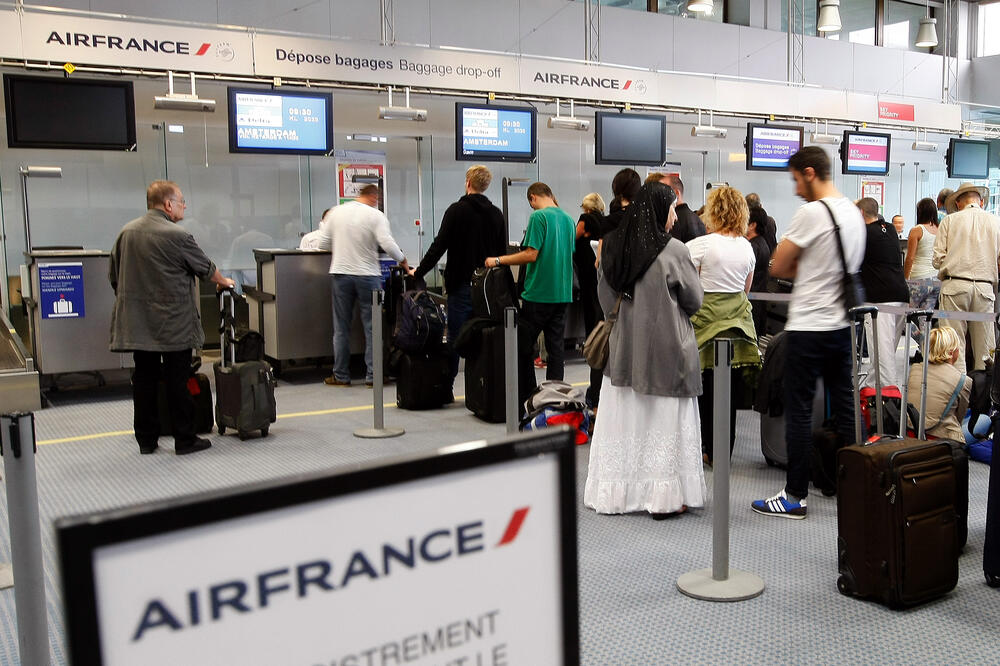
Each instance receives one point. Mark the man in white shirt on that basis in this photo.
(966, 254)
(355, 230)
(818, 330)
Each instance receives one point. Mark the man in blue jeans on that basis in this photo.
(355, 230)
(471, 230)
(819, 334)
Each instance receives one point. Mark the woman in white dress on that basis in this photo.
(646, 450)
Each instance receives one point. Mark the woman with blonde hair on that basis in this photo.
(948, 388)
(588, 229)
(725, 261)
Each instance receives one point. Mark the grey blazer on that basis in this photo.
(653, 349)
(152, 268)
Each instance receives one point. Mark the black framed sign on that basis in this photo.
(466, 555)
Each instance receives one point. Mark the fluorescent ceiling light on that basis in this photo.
(570, 122)
(401, 112)
(700, 6)
(830, 139)
(366, 137)
(926, 146)
(927, 34)
(182, 102)
(829, 16)
(709, 131)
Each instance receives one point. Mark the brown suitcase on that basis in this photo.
(897, 537)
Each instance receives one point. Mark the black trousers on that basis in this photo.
(174, 368)
(991, 549)
(535, 318)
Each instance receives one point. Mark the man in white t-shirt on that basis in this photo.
(818, 329)
(355, 230)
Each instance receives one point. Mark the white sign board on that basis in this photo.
(361, 62)
(401, 573)
(569, 80)
(10, 35)
(81, 40)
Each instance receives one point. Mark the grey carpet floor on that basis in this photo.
(630, 610)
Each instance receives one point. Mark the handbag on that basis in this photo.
(854, 290)
(597, 346)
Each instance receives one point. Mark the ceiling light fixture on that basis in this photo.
(927, 33)
(709, 130)
(401, 112)
(568, 122)
(825, 137)
(829, 16)
(925, 145)
(182, 102)
(700, 6)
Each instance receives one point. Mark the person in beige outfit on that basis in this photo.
(948, 388)
(967, 255)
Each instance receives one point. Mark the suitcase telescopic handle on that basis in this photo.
(915, 316)
(858, 313)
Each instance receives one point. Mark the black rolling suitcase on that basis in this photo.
(244, 391)
(423, 381)
(485, 377)
(896, 520)
(991, 549)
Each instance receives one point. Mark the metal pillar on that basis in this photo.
(387, 21)
(17, 436)
(720, 583)
(592, 30)
(378, 430)
(796, 30)
(420, 202)
(949, 63)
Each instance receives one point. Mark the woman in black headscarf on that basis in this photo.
(646, 450)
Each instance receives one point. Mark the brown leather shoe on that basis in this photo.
(333, 381)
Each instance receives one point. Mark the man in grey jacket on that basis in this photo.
(152, 268)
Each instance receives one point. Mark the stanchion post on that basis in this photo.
(378, 430)
(720, 583)
(17, 431)
(510, 367)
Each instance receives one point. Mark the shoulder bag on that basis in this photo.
(854, 290)
(597, 346)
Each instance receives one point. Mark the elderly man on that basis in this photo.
(152, 268)
(966, 254)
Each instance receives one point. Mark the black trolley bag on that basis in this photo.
(244, 390)
(485, 376)
(201, 395)
(896, 520)
(420, 359)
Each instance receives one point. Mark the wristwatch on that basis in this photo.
(498, 261)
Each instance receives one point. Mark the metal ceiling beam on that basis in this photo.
(592, 30)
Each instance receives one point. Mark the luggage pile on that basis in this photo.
(555, 403)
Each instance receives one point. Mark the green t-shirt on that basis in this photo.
(549, 279)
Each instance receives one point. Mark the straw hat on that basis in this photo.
(951, 202)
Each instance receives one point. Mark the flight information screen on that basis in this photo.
(494, 133)
(264, 121)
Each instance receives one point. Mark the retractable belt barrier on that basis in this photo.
(378, 429)
(890, 309)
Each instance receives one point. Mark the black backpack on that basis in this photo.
(493, 290)
(420, 324)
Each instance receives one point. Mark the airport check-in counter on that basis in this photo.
(292, 307)
(70, 304)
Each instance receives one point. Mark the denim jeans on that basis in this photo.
(535, 318)
(459, 309)
(345, 290)
(813, 354)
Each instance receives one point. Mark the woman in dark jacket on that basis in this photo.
(584, 258)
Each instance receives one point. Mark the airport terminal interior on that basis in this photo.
(387, 90)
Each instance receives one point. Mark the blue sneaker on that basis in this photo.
(780, 506)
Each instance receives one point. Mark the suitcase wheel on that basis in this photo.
(845, 583)
(243, 436)
(770, 463)
(222, 429)
(263, 431)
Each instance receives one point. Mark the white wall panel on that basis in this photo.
(413, 23)
(710, 48)
(878, 70)
(921, 75)
(476, 25)
(827, 62)
(762, 54)
(646, 43)
(546, 28)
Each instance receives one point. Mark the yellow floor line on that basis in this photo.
(290, 415)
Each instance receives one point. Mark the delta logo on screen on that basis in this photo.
(222, 50)
(254, 593)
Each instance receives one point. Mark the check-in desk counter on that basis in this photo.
(70, 307)
(292, 307)
(18, 377)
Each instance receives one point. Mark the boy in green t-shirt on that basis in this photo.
(548, 285)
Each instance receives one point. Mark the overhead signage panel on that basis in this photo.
(10, 35)
(62, 38)
(360, 62)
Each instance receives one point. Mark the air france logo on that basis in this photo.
(223, 50)
(601, 82)
(218, 601)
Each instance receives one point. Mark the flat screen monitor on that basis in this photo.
(968, 158)
(491, 133)
(770, 146)
(85, 114)
(630, 139)
(290, 123)
(865, 153)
